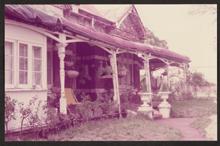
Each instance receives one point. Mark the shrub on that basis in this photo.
(9, 111)
(26, 111)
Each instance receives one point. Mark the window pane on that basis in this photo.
(23, 77)
(8, 48)
(36, 78)
(37, 65)
(23, 50)
(8, 63)
(23, 63)
(8, 77)
(36, 52)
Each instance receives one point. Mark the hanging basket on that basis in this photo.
(106, 77)
(72, 73)
(69, 63)
(122, 73)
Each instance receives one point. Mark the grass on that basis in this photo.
(138, 128)
(200, 109)
(201, 123)
(193, 108)
(130, 129)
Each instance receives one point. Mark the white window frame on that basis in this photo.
(29, 79)
(42, 63)
(14, 62)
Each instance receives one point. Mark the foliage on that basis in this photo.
(130, 100)
(153, 40)
(102, 107)
(26, 112)
(9, 110)
(180, 91)
(203, 9)
(196, 80)
(134, 128)
(51, 121)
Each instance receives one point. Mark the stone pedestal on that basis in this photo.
(145, 108)
(164, 106)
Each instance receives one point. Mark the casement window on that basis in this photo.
(9, 63)
(36, 65)
(23, 65)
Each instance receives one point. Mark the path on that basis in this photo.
(183, 125)
(211, 129)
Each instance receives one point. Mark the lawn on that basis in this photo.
(200, 109)
(137, 128)
(193, 108)
(128, 129)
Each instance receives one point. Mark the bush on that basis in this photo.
(9, 111)
(102, 107)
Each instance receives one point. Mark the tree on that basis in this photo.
(197, 80)
(203, 9)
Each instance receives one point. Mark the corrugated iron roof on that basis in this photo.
(38, 18)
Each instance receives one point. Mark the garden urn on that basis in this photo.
(145, 107)
(164, 106)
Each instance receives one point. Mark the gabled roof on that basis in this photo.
(114, 13)
(110, 12)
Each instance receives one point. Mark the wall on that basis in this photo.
(24, 95)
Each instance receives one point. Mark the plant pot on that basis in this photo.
(106, 77)
(165, 110)
(72, 73)
(69, 63)
(164, 106)
(122, 73)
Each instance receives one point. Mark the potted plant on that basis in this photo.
(71, 73)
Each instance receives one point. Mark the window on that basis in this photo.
(36, 65)
(23, 64)
(9, 65)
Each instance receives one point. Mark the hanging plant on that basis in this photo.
(107, 72)
(69, 63)
(122, 71)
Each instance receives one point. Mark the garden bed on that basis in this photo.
(132, 129)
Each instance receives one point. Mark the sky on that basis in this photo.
(193, 35)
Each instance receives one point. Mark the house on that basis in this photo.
(79, 48)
